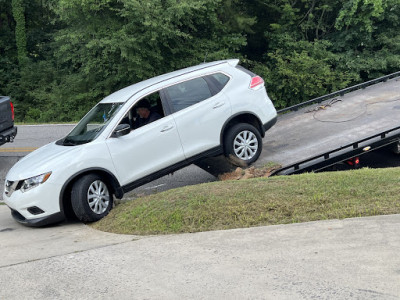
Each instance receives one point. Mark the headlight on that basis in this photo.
(32, 182)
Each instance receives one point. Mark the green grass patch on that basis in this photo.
(259, 202)
(41, 123)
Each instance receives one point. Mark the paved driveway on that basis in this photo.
(338, 259)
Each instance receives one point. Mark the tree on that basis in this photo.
(18, 10)
(105, 45)
(298, 63)
(367, 37)
(59, 57)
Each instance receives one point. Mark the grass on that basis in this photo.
(258, 202)
(41, 123)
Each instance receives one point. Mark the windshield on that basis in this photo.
(92, 124)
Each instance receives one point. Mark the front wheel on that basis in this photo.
(243, 142)
(91, 198)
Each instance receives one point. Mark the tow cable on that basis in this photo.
(325, 106)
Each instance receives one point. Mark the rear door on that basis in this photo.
(200, 109)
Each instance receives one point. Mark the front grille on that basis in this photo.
(9, 187)
(9, 184)
(34, 210)
(12, 186)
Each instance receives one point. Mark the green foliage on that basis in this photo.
(18, 10)
(304, 72)
(58, 58)
(367, 37)
(361, 13)
(317, 47)
(106, 45)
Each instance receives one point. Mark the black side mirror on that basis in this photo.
(121, 130)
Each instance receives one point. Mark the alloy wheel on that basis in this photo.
(245, 145)
(98, 197)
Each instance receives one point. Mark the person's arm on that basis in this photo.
(153, 117)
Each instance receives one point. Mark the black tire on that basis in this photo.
(91, 198)
(243, 144)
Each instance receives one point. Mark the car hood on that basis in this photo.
(42, 160)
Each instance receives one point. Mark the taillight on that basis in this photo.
(12, 110)
(256, 81)
(354, 162)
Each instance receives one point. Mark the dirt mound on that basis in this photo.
(252, 172)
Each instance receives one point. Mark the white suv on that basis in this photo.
(138, 134)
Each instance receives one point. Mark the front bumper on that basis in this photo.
(37, 222)
(36, 207)
(8, 135)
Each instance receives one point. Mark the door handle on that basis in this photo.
(218, 104)
(166, 128)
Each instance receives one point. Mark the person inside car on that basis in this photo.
(145, 115)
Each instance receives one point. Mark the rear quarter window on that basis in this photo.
(220, 80)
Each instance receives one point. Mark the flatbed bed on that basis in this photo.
(345, 118)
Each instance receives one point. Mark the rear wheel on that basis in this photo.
(91, 198)
(243, 143)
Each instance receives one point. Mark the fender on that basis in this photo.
(117, 189)
(244, 114)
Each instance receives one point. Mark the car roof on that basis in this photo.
(125, 94)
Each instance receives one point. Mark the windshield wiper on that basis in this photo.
(68, 143)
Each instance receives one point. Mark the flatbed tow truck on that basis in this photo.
(331, 129)
(334, 128)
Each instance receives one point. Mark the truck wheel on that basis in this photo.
(243, 142)
(90, 198)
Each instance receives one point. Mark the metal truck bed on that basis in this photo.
(342, 119)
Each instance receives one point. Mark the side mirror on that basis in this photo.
(121, 130)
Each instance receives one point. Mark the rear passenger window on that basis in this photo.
(220, 79)
(187, 93)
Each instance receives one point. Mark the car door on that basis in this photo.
(146, 150)
(200, 110)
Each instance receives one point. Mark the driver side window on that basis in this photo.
(145, 111)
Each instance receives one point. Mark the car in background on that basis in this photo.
(203, 111)
(7, 129)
